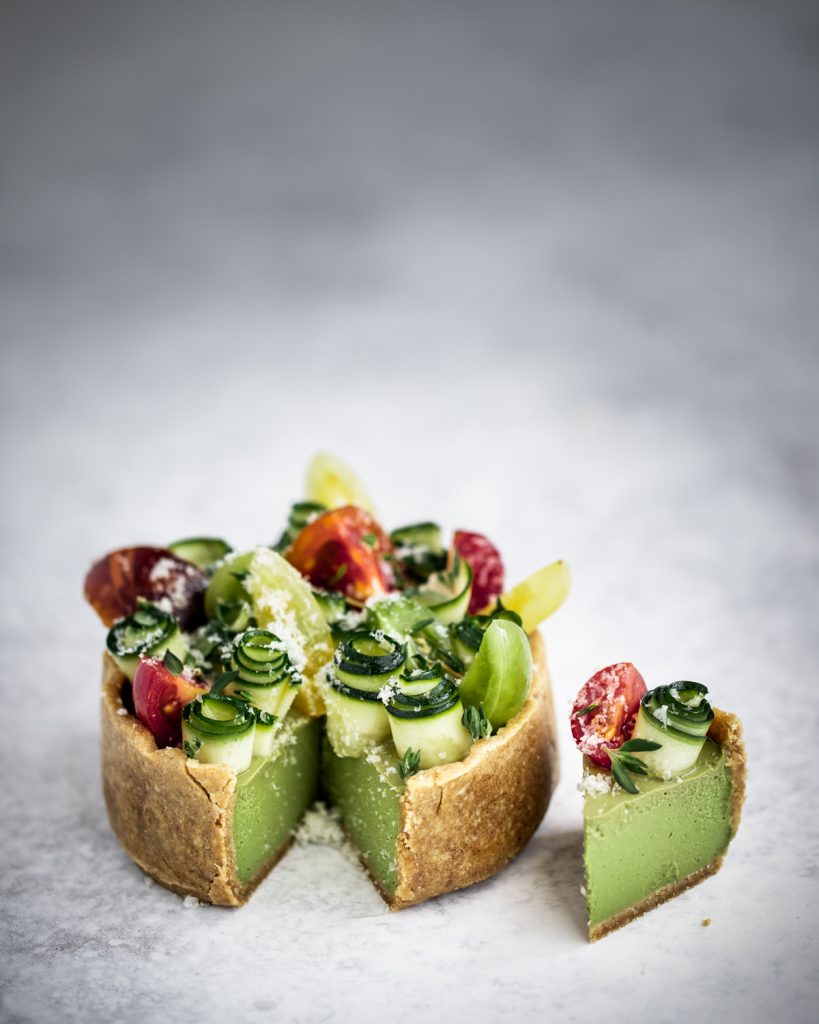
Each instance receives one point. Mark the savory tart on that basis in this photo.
(663, 786)
(388, 673)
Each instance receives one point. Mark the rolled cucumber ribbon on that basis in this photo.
(265, 675)
(430, 723)
(367, 660)
(219, 730)
(366, 668)
(150, 631)
(677, 717)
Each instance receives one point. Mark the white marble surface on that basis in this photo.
(548, 272)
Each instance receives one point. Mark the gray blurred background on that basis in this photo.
(543, 270)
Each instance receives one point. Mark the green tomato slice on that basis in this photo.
(284, 603)
(500, 674)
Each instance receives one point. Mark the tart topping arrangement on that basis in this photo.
(397, 638)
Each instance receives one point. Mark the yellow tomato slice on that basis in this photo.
(539, 595)
(333, 483)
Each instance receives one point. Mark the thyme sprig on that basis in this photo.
(409, 763)
(624, 764)
(474, 718)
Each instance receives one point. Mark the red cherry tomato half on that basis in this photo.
(487, 568)
(159, 697)
(343, 550)
(605, 709)
(114, 583)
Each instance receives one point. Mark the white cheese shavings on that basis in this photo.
(191, 903)
(595, 784)
(122, 712)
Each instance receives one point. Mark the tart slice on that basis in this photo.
(663, 786)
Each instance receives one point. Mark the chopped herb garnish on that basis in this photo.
(587, 710)
(192, 746)
(172, 663)
(623, 762)
(409, 763)
(474, 718)
(369, 539)
(339, 574)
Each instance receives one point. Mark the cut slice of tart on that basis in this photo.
(202, 829)
(659, 815)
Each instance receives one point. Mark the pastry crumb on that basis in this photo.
(706, 921)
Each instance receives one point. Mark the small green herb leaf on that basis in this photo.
(474, 718)
(622, 777)
(637, 745)
(369, 539)
(171, 662)
(192, 747)
(339, 574)
(409, 763)
(587, 710)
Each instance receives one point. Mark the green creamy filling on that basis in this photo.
(367, 790)
(273, 794)
(636, 844)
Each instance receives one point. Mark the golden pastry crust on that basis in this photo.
(462, 822)
(173, 816)
(726, 729)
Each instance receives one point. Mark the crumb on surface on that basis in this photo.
(706, 921)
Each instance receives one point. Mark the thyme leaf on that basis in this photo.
(171, 662)
(192, 746)
(475, 720)
(409, 763)
(587, 710)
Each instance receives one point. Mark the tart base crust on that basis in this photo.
(726, 729)
(462, 822)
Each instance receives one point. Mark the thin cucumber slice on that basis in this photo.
(265, 734)
(226, 598)
(202, 551)
(447, 594)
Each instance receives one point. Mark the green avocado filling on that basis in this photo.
(636, 844)
(273, 794)
(367, 791)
